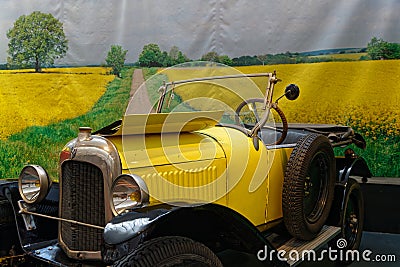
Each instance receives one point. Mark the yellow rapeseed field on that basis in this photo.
(363, 94)
(228, 91)
(28, 98)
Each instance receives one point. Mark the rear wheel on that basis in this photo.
(171, 251)
(308, 186)
(351, 221)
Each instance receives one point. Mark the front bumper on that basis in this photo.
(122, 236)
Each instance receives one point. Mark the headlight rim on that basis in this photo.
(44, 180)
(144, 192)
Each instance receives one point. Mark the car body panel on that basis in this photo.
(247, 171)
(138, 151)
(189, 183)
(205, 154)
(276, 175)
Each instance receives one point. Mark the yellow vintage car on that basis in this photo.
(203, 162)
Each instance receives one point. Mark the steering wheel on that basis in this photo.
(251, 104)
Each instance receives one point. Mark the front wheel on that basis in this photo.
(170, 251)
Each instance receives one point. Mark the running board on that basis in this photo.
(327, 233)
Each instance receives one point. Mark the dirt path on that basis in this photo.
(139, 102)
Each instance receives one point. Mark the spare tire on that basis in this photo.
(308, 186)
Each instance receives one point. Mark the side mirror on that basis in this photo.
(292, 92)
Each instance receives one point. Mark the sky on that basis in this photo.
(231, 27)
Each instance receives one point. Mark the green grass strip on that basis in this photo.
(42, 144)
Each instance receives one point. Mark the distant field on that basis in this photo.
(362, 94)
(352, 56)
(217, 90)
(28, 98)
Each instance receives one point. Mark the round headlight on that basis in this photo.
(128, 191)
(33, 184)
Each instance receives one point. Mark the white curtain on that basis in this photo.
(231, 27)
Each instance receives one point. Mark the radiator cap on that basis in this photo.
(84, 134)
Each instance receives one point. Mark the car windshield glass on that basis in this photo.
(202, 86)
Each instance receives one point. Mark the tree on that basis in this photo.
(182, 58)
(210, 56)
(116, 58)
(36, 40)
(245, 61)
(263, 58)
(176, 56)
(165, 59)
(226, 60)
(174, 53)
(377, 48)
(394, 50)
(214, 57)
(151, 56)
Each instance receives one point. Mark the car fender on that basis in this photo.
(216, 226)
(132, 224)
(356, 166)
(347, 167)
(46, 229)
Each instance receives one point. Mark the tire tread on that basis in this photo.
(293, 186)
(155, 251)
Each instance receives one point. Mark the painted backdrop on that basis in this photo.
(320, 45)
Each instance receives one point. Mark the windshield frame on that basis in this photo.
(272, 80)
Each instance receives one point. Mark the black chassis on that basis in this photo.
(216, 226)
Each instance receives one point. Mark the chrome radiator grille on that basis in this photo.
(82, 199)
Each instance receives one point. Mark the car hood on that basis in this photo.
(161, 139)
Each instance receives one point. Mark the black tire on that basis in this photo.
(170, 251)
(351, 221)
(308, 187)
